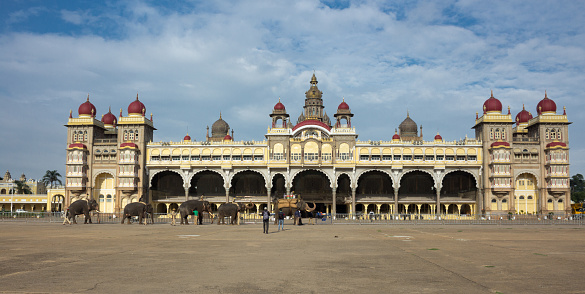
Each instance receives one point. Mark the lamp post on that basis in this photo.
(11, 198)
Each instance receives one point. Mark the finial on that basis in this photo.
(102, 117)
(491, 93)
(70, 113)
(395, 131)
(476, 115)
(564, 110)
(545, 97)
(523, 106)
(136, 96)
(110, 109)
(278, 99)
(151, 116)
(343, 99)
(87, 97)
(407, 113)
(508, 109)
(120, 112)
(220, 114)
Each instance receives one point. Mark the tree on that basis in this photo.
(50, 177)
(22, 187)
(578, 188)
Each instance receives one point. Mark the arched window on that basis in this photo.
(85, 136)
(521, 197)
(549, 201)
(494, 200)
(74, 136)
(559, 134)
(130, 135)
(553, 135)
(497, 134)
(503, 134)
(547, 134)
(529, 197)
(135, 134)
(125, 135)
(491, 134)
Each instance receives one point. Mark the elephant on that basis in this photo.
(82, 207)
(186, 209)
(232, 210)
(139, 209)
(289, 206)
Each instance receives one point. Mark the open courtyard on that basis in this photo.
(112, 258)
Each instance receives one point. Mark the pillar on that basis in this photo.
(433, 206)
(353, 200)
(395, 200)
(378, 206)
(268, 198)
(439, 201)
(333, 202)
(459, 209)
(186, 193)
(418, 207)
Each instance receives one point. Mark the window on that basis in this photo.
(131, 135)
(364, 157)
(494, 201)
(429, 157)
(440, 157)
(547, 134)
(277, 156)
(125, 135)
(559, 136)
(450, 157)
(497, 134)
(237, 157)
(344, 156)
(185, 157)
(226, 158)
(85, 136)
(205, 158)
(258, 157)
(386, 157)
(296, 156)
(311, 156)
(75, 136)
(397, 157)
(491, 134)
(247, 157)
(165, 158)
(460, 157)
(407, 157)
(375, 157)
(216, 158)
(176, 158)
(136, 134)
(326, 156)
(418, 157)
(471, 157)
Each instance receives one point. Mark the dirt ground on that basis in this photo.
(109, 258)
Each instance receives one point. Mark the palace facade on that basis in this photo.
(518, 165)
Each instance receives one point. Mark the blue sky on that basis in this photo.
(189, 60)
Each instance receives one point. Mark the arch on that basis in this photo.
(374, 183)
(343, 148)
(161, 208)
(264, 176)
(294, 175)
(418, 184)
(247, 182)
(518, 173)
(153, 173)
(100, 172)
(3, 191)
(475, 176)
(166, 184)
(213, 184)
(459, 185)
(312, 184)
(344, 183)
(278, 185)
(278, 148)
(405, 172)
(311, 147)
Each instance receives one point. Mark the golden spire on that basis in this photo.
(136, 95)
(87, 97)
(491, 93)
(545, 97)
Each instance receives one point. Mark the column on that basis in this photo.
(378, 206)
(418, 207)
(353, 201)
(268, 198)
(227, 195)
(459, 209)
(333, 202)
(439, 201)
(186, 193)
(433, 206)
(396, 201)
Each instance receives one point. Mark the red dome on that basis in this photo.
(396, 137)
(136, 107)
(546, 105)
(343, 105)
(313, 122)
(500, 144)
(128, 145)
(87, 109)
(77, 146)
(187, 138)
(109, 118)
(438, 137)
(523, 116)
(279, 106)
(227, 138)
(492, 105)
(556, 144)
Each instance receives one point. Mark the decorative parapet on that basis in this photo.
(135, 120)
(79, 121)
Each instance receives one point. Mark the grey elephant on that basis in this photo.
(186, 209)
(82, 207)
(139, 209)
(231, 210)
(289, 206)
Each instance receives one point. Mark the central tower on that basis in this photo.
(313, 109)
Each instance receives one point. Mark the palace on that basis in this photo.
(516, 165)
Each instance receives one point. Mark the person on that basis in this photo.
(196, 216)
(66, 220)
(298, 217)
(280, 220)
(310, 213)
(371, 216)
(265, 219)
(173, 217)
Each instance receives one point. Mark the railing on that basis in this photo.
(338, 219)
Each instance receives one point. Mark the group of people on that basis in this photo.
(280, 217)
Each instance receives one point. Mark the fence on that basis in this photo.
(338, 219)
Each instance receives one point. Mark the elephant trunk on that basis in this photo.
(308, 208)
(249, 205)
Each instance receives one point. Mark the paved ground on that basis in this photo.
(108, 258)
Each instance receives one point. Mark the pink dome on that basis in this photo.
(438, 137)
(87, 109)
(279, 106)
(227, 138)
(109, 118)
(523, 116)
(187, 138)
(396, 137)
(343, 105)
(136, 107)
(546, 106)
(492, 105)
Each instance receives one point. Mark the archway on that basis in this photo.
(452, 209)
(57, 203)
(161, 208)
(312, 185)
(459, 185)
(417, 185)
(374, 184)
(465, 209)
(167, 185)
(248, 183)
(278, 189)
(425, 209)
(208, 183)
(343, 194)
(105, 192)
(526, 194)
(359, 208)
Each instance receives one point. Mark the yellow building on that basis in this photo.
(510, 166)
(10, 201)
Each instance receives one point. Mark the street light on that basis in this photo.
(11, 198)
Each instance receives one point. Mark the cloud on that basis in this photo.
(439, 60)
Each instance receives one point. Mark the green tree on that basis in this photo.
(578, 188)
(50, 177)
(22, 187)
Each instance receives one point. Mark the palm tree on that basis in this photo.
(22, 187)
(50, 177)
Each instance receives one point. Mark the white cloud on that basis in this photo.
(239, 58)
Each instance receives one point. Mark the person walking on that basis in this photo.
(298, 217)
(196, 217)
(173, 217)
(66, 220)
(265, 219)
(280, 220)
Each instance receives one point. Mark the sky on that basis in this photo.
(190, 60)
